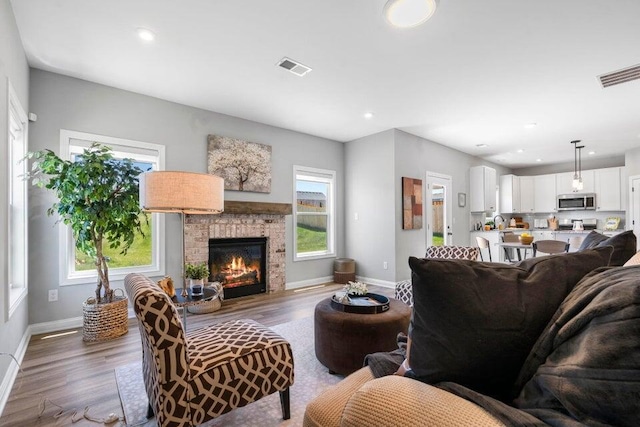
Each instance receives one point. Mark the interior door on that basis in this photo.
(438, 206)
(634, 202)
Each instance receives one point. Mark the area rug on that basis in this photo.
(311, 378)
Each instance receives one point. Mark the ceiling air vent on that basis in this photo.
(621, 76)
(293, 66)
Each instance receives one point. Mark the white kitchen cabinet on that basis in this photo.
(483, 189)
(574, 238)
(564, 182)
(542, 235)
(608, 189)
(526, 194)
(509, 194)
(544, 193)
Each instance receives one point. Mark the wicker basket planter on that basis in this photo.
(205, 306)
(102, 322)
(211, 305)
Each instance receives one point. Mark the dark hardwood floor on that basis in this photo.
(64, 370)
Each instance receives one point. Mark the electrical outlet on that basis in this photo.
(53, 295)
(385, 265)
(356, 216)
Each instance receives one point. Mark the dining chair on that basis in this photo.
(550, 246)
(511, 237)
(483, 244)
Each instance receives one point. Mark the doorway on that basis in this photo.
(439, 210)
(634, 206)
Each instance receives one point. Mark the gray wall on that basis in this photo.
(414, 156)
(68, 103)
(597, 163)
(369, 193)
(375, 166)
(14, 67)
(632, 162)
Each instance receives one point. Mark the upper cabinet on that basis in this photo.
(544, 193)
(482, 188)
(526, 194)
(531, 194)
(509, 194)
(608, 189)
(564, 182)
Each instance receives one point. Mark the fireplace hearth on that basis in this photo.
(239, 264)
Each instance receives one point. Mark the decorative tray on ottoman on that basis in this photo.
(362, 304)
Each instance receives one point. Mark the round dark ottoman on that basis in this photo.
(342, 340)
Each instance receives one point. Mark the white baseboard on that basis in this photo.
(56, 325)
(370, 281)
(326, 279)
(12, 372)
(310, 282)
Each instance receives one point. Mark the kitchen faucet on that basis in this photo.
(494, 220)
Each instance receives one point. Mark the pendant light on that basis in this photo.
(577, 183)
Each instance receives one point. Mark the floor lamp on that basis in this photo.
(184, 193)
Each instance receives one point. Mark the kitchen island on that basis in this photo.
(574, 238)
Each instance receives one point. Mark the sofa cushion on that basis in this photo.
(624, 245)
(474, 323)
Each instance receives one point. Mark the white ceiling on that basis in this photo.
(475, 73)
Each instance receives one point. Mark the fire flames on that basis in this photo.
(237, 273)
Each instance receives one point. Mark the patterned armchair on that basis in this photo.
(403, 289)
(196, 376)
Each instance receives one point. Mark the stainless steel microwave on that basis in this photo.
(576, 202)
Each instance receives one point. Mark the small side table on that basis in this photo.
(179, 301)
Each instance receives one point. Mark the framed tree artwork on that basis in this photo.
(411, 203)
(244, 165)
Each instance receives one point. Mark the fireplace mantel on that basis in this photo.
(256, 208)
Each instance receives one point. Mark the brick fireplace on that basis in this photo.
(242, 220)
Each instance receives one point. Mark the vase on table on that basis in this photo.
(196, 286)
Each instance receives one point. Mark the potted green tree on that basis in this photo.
(196, 273)
(98, 198)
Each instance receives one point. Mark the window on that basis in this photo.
(314, 213)
(17, 232)
(146, 255)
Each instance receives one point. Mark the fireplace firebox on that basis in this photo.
(239, 264)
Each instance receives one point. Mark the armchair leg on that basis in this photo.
(284, 402)
(150, 413)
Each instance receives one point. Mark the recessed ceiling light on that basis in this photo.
(409, 13)
(591, 153)
(538, 160)
(481, 145)
(530, 125)
(368, 115)
(520, 150)
(146, 35)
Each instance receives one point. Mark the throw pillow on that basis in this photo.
(592, 240)
(624, 245)
(474, 323)
(634, 260)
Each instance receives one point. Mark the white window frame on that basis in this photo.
(72, 142)
(316, 175)
(17, 141)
